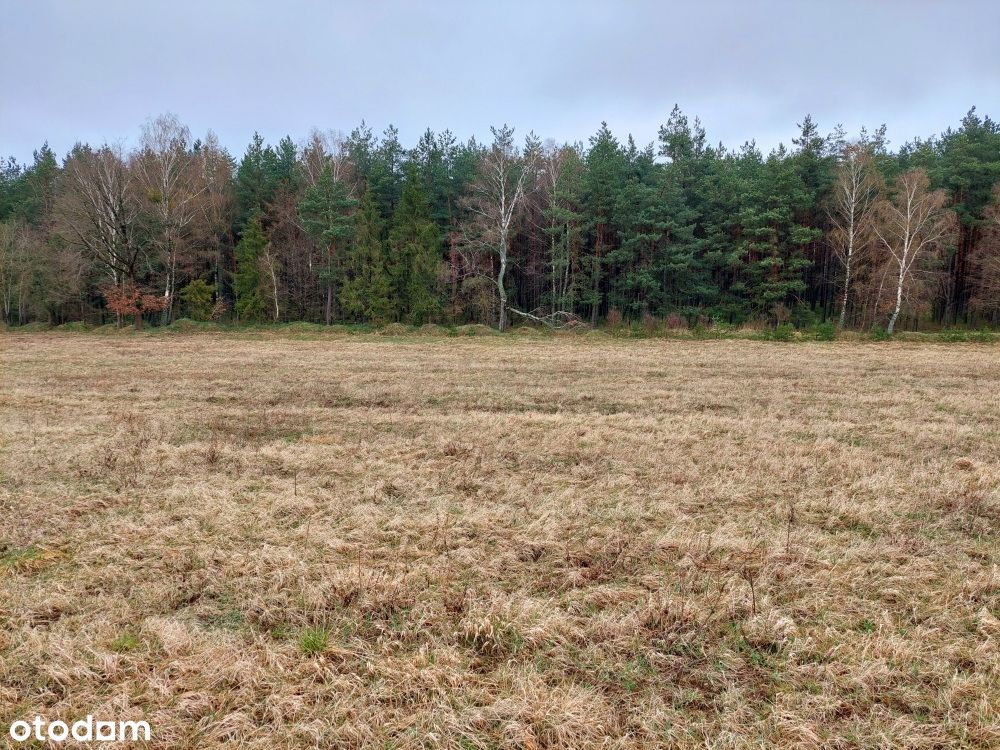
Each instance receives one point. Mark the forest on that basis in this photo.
(838, 229)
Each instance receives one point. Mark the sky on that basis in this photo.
(95, 71)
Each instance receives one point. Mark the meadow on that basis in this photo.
(278, 541)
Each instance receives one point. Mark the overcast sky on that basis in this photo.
(96, 70)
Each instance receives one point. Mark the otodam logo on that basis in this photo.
(85, 730)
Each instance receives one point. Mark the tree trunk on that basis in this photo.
(847, 272)
(453, 264)
(843, 303)
(331, 287)
(597, 280)
(502, 289)
(274, 285)
(899, 304)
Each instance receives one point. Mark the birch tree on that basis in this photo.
(497, 194)
(174, 183)
(327, 150)
(854, 194)
(910, 227)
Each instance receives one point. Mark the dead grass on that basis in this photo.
(502, 542)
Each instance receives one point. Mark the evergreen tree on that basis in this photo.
(813, 163)
(10, 170)
(604, 178)
(565, 227)
(34, 191)
(247, 279)
(379, 166)
(679, 263)
(325, 211)
(774, 241)
(691, 228)
(282, 175)
(966, 162)
(365, 293)
(416, 255)
(431, 157)
(641, 226)
(253, 188)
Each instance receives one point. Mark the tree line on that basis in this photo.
(360, 229)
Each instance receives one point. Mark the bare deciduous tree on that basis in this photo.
(910, 227)
(173, 180)
(325, 149)
(99, 211)
(496, 196)
(854, 194)
(14, 270)
(213, 221)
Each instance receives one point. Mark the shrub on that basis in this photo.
(133, 300)
(699, 330)
(783, 332)
(880, 334)
(826, 331)
(197, 298)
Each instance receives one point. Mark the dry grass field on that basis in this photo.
(360, 542)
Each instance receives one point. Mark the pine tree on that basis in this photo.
(813, 163)
(282, 175)
(717, 193)
(776, 263)
(379, 166)
(691, 261)
(416, 254)
(325, 211)
(365, 293)
(253, 189)
(641, 226)
(679, 263)
(564, 218)
(967, 164)
(247, 279)
(604, 179)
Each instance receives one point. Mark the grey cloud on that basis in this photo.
(94, 71)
